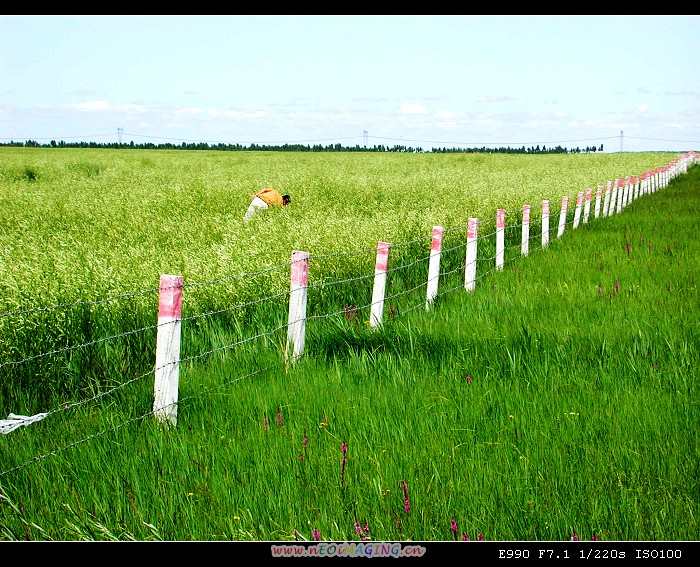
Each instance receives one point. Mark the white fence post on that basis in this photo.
(500, 236)
(380, 268)
(470, 261)
(545, 223)
(598, 195)
(577, 211)
(434, 265)
(296, 321)
(587, 207)
(562, 215)
(608, 198)
(645, 183)
(167, 370)
(525, 240)
(620, 194)
(613, 198)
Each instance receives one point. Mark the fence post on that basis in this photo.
(296, 320)
(562, 215)
(587, 207)
(608, 198)
(598, 195)
(545, 223)
(500, 235)
(470, 261)
(577, 211)
(434, 265)
(380, 267)
(167, 370)
(525, 240)
(620, 194)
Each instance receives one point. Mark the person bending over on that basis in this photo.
(264, 199)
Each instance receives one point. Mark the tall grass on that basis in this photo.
(85, 225)
(559, 397)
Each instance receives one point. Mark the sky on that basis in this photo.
(628, 83)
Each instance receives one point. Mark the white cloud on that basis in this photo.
(92, 106)
(412, 108)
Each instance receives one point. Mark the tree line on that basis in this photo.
(299, 147)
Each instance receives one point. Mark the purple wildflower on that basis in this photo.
(465, 537)
(279, 416)
(454, 528)
(574, 536)
(469, 379)
(265, 423)
(317, 536)
(304, 442)
(617, 287)
(594, 537)
(480, 536)
(406, 501)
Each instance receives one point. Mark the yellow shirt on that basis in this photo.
(270, 196)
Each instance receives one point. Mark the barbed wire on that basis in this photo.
(482, 274)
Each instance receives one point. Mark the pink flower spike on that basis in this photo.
(480, 536)
(344, 448)
(317, 536)
(265, 423)
(465, 537)
(279, 417)
(574, 536)
(594, 537)
(469, 378)
(304, 442)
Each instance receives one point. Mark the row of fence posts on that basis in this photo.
(618, 194)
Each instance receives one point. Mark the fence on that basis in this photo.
(608, 201)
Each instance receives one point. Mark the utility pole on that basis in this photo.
(365, 133)
(119, 133)
(620, 140)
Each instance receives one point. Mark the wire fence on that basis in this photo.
(504, 238)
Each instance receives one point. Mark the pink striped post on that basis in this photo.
(500, 237)
(562, 215)
(434, 266)
(525, 239)
(296, 322)
(577, 210)
(470, 261)
(627, 199)
(613, 197)
(587, 206)
(598, 196)
(636, 187)
(167, 370)
(608, 198)
(380, 268)
(620, 194)
(545, 223)
(645, 183)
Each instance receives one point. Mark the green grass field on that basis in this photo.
(559, 397)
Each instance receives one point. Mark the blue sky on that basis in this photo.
(631, 83)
